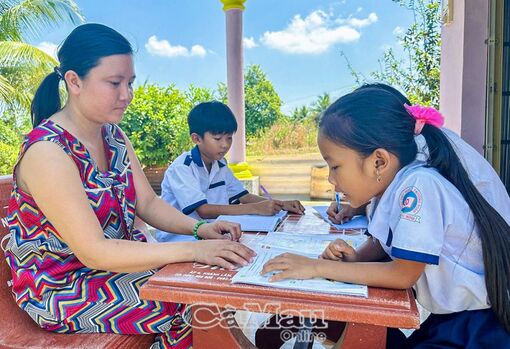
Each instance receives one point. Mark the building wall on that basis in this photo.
(464, 70)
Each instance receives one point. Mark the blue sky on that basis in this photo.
(296, 42)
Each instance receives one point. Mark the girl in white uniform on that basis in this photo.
(443, 237)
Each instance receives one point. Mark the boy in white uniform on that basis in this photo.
(199, 182)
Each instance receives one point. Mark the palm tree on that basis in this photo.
(322, 103)
(22, 66)
(301, 113)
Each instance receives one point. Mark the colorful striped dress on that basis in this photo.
(53, 286)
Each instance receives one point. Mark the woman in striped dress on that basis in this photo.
(76, 260)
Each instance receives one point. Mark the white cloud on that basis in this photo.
(398, 31)
(360, 23)
(312, 35)
(359, 9)
(249, 42)
(49, 47)
(198, 50)
(164, 48)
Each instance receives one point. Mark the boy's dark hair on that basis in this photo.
(214, 117)
(374, 117)
(81, 51)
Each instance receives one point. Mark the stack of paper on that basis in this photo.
(250, 222)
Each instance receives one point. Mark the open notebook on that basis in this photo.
(309, 244)
(250, 274)
(251, 222)
(357, 222)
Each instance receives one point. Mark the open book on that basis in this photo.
(357, 222)
(272, 245)
(251, 222)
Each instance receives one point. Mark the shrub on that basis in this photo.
(155, 122)
(285, 137)
(13, 127)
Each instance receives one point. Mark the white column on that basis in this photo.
(235, 77)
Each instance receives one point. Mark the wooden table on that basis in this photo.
(214, 298)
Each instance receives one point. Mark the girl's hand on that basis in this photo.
(293, 206)
(291, 266)
(339, 250)
(220, 230)
(268, 207)
(226, 254)
(344, 215)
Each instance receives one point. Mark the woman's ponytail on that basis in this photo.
(46, 100)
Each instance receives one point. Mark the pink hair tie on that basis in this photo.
(424, 115)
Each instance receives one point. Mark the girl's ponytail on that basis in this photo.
(375, 116)
(493, 229)
(46, 100)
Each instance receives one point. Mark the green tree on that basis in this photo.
(301, 113)
(12, 129)
(313, 111)
(195, 95)
(262, 102)
(22, 66)
(154, 122)
(418, 73)
(321, 103)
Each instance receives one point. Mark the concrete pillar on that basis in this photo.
(235, 76)
(464, 70)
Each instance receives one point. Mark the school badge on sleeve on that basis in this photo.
(410, 204)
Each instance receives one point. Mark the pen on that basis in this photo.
(266, 193)
(338, 204)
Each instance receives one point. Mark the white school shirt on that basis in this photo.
(423, 217)
(480, 172)
(187, 185)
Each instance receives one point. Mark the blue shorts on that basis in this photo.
(474, 329)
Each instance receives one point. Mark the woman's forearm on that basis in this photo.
(132, 256)
(163, 216)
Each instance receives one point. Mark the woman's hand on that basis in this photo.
(293, 206)
(344, 215)
(339, 250)
(226, 254)
(291, 266)
(220, 230)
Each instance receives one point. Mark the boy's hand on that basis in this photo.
(268, 207)
(293, 206)
(220, 230)
(226, 254)
(339, 250)
(291, 266)
(345, 214)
